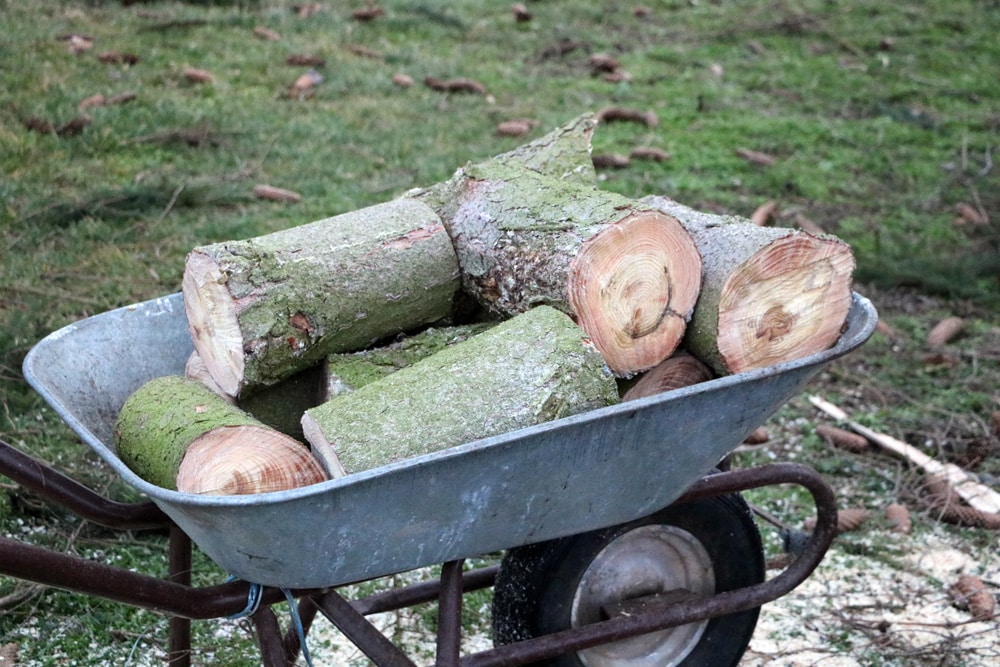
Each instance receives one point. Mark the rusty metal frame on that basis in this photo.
(175, 596)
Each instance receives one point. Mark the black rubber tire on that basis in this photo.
(536, 584)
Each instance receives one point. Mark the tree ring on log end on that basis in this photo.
(788, 301)
(213, 322)
(633, 287)
(246, 459)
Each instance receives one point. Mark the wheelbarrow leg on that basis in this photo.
(307, 612)
(272, 648)
(361, 632)
(179, 628)
(449, 615)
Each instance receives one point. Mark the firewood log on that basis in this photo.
(768, 294)
(677, 371)
(532, 368)
(261, 309)
(628, 273)
(177, 433)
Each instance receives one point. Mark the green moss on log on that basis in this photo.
(530, 369)
(160, 419)
(353, 370)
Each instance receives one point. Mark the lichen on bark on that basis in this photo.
(531, 368)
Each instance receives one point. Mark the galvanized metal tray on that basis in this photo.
(564, 477)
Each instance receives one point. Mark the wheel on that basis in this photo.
(704, 547)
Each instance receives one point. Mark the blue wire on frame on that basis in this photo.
(253, 604)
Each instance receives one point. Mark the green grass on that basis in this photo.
(881, 117)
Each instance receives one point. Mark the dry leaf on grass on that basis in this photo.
(602, 62)
(944, 331)
(306, 82)
(516, 127)
(305, 60)
(365, 52)
(458, 85)
(402, 80)
(121, 98)
(77, 44)
(74, 127)
(807, 225)
(755, 157)
(307, 9)
(96, 100)
(266, 34)
(610, 161)
(763, 213)
(623, 114)
(970, 215)
(617, 76)
(272, 193)
(521, 13)
(118, 58)
(649, 153)
(196, 75)
(759, 436)
(886, 329)
(369, 13)
(40, 125)
(99, 100)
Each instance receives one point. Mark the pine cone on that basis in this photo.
(963, 515)
(847, 520)
(971, 593)
(898, 517)
(838, 437)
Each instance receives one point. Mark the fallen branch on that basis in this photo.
(975, 494)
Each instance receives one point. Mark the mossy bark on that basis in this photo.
(261, 309)
(532, 368)
(162, 418)
(348, 371)
(627, 272)
(768, 294)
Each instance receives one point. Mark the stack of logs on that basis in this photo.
(535, 296)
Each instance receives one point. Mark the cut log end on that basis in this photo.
(246, 459)
(212, 321)
(633, 287)
(680, 370)
(790, 300)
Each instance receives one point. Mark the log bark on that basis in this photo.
(628, 273)
(529, 369)
(261, 309)
(169, 419)
(279, 406)
(768, 294)
(348, 371)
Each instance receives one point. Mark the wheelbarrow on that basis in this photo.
(623, 543)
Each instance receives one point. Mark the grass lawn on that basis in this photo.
(877, 121)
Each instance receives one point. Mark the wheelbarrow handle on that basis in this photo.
(77, 498)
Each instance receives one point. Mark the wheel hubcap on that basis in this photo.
(644, 561)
